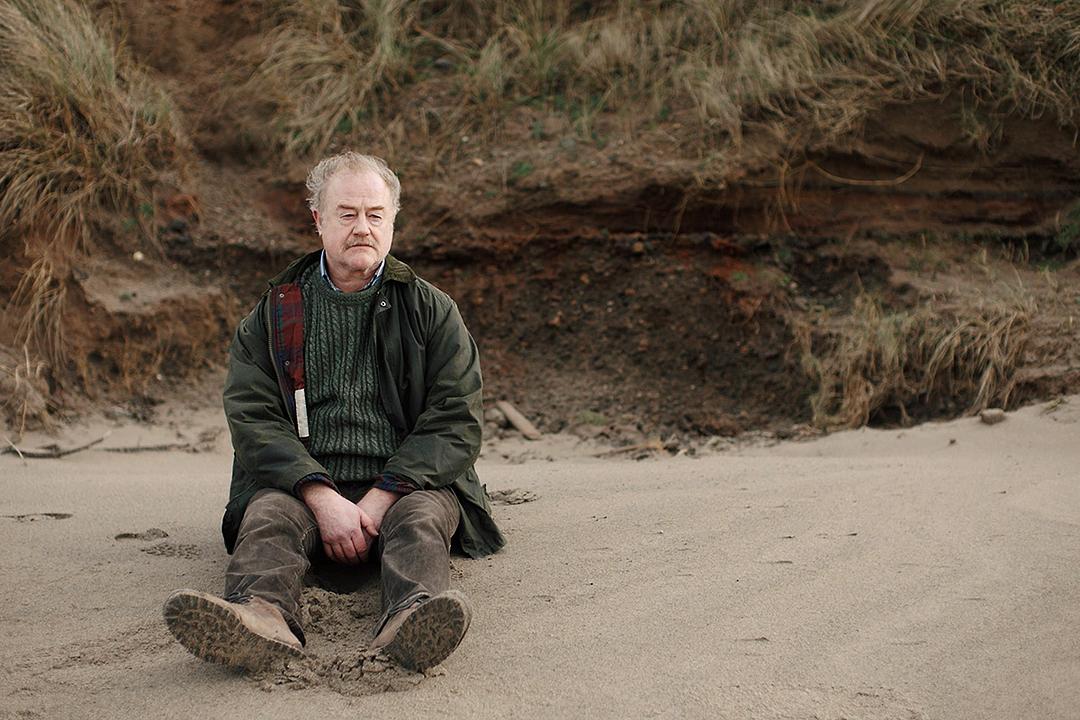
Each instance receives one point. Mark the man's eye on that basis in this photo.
(348, 216)
(375, 218)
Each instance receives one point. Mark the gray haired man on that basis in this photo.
(354, 401)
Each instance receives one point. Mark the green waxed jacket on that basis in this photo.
(429, 379)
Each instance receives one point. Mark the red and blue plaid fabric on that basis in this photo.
(287, 317)
(393, 483)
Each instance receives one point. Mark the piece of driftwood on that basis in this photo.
(652, 445)
(519, 421)
(151, 448)
(204, 443)
(51, 451)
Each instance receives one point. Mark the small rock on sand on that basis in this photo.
(992, 416)
(512, 497)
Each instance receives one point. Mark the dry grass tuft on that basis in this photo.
(341, 58)
(84, 138)
(873, 362)
(24, 403)
(799, 72)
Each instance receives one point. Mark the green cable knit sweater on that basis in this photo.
(350, 434)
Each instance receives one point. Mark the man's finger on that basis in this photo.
(347, 552)
(369, 546)
(330, 552)
(359, 547)
(361, 541)
(368, 524)
(358, 538)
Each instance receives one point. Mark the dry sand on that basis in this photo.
(925, 573)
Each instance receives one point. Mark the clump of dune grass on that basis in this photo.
(798, 72)
(342, 58)
(24, 392)
(873, 362)
(84, 139)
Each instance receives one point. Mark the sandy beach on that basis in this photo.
(685, 239)
(919, 573)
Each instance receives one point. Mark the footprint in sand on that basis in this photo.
(513, 496)
(188, 552)
(161, 549)
(148, 534)
(35, 517)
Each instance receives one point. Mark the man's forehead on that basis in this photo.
(350, 186)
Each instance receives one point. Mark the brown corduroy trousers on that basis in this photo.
(279, 537)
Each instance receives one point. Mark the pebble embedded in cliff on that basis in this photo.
(992, 416)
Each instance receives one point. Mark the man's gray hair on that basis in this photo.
(349, 160)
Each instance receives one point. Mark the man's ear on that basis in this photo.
(315, 216)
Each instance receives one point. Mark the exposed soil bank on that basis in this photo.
(629, 284)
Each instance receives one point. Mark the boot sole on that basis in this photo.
(431, 632)
(214, 632)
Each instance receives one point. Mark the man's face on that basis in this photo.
(356, 222)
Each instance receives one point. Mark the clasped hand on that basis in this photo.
(348, 530)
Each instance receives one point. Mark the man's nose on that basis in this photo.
(361, 227)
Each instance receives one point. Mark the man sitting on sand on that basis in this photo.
(353, 398)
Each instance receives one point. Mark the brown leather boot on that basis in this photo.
(422, 636)
(249, 634)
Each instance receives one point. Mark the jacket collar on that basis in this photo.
(395, 270)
